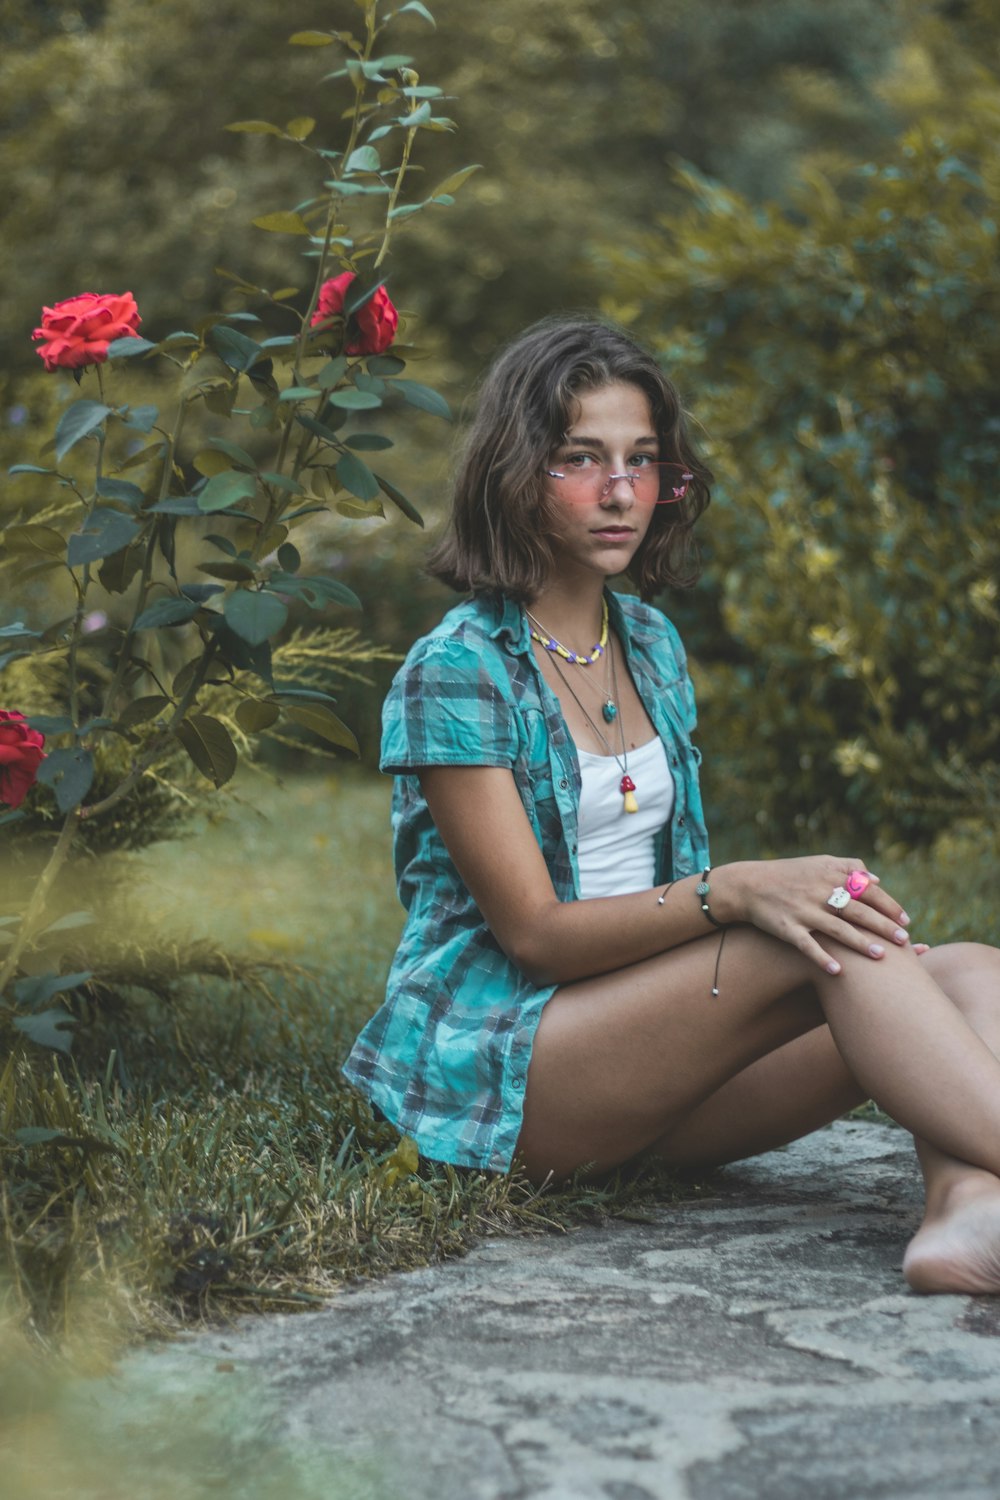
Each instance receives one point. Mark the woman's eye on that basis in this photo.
(641, 460)
(579, 460)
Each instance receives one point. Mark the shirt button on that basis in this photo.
(680, 822)
(673, 760)
(572, 848)
(518, 1082)
(563, 784)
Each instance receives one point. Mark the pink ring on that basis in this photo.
(857, 883)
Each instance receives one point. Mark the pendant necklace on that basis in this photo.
(626, 786)
(555, 648)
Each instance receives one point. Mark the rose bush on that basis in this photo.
(77, 332)
(203, 539)
(371, 329)
(21, 754)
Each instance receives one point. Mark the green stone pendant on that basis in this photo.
(610, 712)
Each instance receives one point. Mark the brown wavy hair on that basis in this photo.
(497, 537)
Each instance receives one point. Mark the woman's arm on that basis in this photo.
(480, 817)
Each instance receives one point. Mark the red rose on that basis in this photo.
(78, 331)
(21, 754)
(371, 329)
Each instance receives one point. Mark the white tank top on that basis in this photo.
(617, 853)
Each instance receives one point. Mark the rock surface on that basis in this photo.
(758, 1342)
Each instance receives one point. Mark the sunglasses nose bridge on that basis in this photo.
(610, 480)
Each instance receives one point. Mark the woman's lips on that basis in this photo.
(614, 533)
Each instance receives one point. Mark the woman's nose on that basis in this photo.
(618, 490)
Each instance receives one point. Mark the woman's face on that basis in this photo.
(594, 533)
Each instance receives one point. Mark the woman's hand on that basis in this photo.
(788, 898)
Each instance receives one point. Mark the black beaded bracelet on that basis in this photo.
(702, 890)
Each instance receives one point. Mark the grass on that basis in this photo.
(201, 1152)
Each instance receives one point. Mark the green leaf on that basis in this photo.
(234, 348)
(232, 572)
(70, 922)
(282, 482)
(43, 539)
(30, 469)
(117, 571)
(78, 421)
(283, 223)
(454, 182)
(423, 397)
(299, 393)
(222, 542)
(301, 127)
(368, 442)
(324, 722)
(169, 611)
(350, 399)
(310, 39)
(254, 616)
(385, 364)
(316, 590)
(253, 715)
(358, 296)
(122, 490)
(141, 710)
(289, 558)
(390, 62)
(418, 116)
(420, 9)
(289, 695)
(364, 159)
(51, 723)
(373, 384)
(332, 373)
(129, 347)
(225, 490)
(37, 989)
(356, 476)
(254, 127)
(106, 532)
(210, 746)
(40, 1135)
(359, 510)
(70, 774)
(398, 498)
(234, 451)
(140, 418)
(48, 1028)
(326, 431)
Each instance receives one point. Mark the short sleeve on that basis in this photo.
(449, 704)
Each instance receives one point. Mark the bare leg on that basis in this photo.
(957, 1248)
(645, 1057)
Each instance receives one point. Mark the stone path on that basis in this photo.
(756, 1343)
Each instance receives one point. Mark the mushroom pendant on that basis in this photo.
(627, 788)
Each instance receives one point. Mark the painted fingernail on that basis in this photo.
(876, 950)
(900, 936)
(904, 918)
(833, 967)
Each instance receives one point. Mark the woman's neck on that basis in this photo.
(573, 617)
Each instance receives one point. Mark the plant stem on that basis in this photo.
(36, 905)
(394, 196)
(125, 652)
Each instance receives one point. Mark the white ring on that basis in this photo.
(839, 898)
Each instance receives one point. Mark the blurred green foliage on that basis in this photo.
(842, 355)
(119, 172)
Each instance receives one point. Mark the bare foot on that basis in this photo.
(958, 1250)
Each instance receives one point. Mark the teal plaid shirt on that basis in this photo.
(446, 1056)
